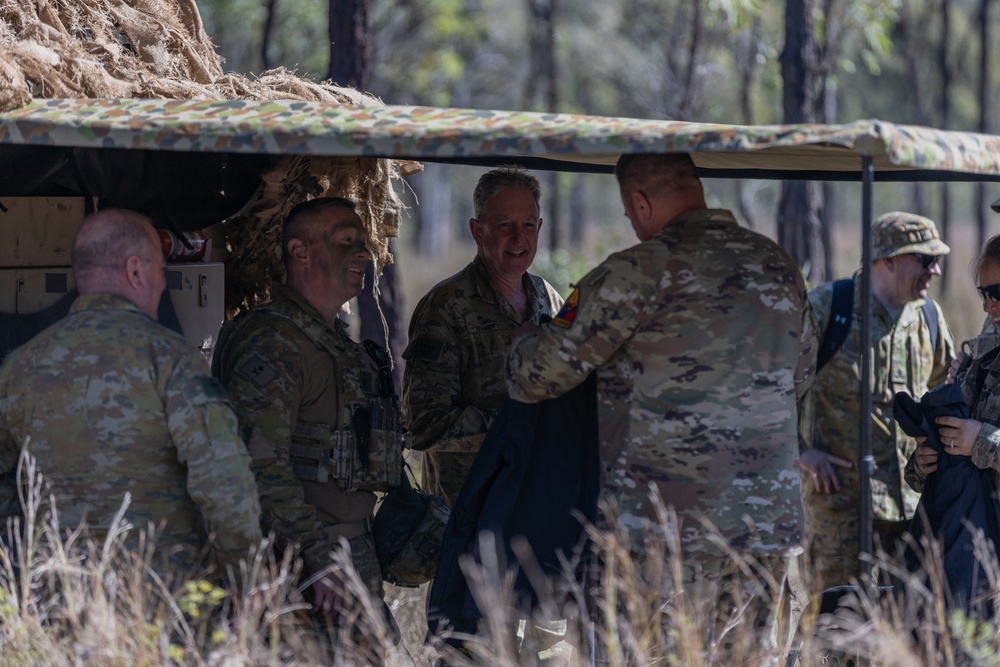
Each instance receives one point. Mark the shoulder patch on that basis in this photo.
(566, 316)
(426, 349)
(257, 371)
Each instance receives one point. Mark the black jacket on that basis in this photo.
(537, 477)
(956, 495)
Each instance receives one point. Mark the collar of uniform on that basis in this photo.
(700, 215)
(103, 301)
(281, 293)
(490, 294)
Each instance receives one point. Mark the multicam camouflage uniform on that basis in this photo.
(114, 403)
(453, 384)
(702, 341)
(293, 379)
(902, 360)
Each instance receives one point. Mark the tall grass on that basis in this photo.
(67, 599)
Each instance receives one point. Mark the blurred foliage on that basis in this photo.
(709, 60)
(621, 57)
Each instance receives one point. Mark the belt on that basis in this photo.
(352, 529)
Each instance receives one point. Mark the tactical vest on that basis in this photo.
(362, 448)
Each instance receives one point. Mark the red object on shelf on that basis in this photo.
(184, 247)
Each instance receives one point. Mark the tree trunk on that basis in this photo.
(914, 24)
(686, 106)
(944, 223)
(350, 43)
(984, 102)
(434, 214)
(350, 51)
(391, 299)
(268, 32)
(544, 71)
(798, 216)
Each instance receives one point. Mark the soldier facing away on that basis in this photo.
(316, 409)
(460, 331)
(701, 339)
(114, 404)
(912, 348)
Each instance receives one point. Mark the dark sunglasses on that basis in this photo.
(989, 292)
(926, 261)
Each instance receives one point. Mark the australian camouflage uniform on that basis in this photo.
(904, 358)
(453, 384)
(111, 403)
(322, 425)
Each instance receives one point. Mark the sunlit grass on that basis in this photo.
(76, 601)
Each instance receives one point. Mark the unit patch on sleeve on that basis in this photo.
(568, 313)
(258, 372)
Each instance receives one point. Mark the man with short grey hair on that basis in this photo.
(459, 334)
(111, 404)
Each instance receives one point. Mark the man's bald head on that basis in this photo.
(118, 252)
(104, 243)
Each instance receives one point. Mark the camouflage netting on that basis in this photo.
(159, 49)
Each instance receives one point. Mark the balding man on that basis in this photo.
(111, 403)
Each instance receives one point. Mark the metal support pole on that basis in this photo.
(866, 462)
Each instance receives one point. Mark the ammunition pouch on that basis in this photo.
(356, 458)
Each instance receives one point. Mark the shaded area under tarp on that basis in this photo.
(179, 191)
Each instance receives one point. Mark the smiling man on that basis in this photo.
(912, 348)
(300, 386)
(453, 385)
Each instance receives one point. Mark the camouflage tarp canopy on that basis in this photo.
(541, 140)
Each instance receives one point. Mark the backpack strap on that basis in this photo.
(839, 324)
(931, 317)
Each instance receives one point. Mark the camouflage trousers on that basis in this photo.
(365, 634)
(364, 558)
(834, 544)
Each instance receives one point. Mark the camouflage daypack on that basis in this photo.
(409, 527)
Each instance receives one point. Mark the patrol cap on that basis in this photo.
(900, 233)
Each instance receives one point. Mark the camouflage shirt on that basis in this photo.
(114, 403)
(902, 360)
(702, 340)
(280, 379)
(453, 383)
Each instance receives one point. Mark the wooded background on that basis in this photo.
(923, 62)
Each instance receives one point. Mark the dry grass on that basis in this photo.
(77, 602)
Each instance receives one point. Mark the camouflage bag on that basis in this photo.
(409, 527)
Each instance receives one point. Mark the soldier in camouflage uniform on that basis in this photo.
(111, 403)
(701, 339)
(460, 331)
(309, 399)
(904, 358)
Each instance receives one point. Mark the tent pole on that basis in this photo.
(866, 462)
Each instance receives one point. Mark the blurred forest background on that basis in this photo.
(925, 62)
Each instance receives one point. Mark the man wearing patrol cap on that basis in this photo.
(912, 348)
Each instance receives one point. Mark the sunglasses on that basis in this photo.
(926, 261)
(989, 292)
